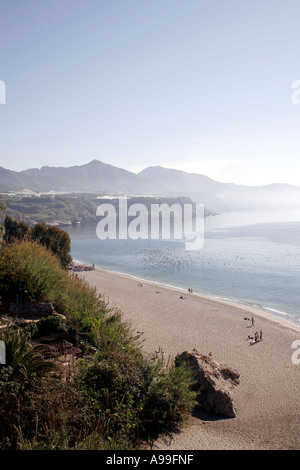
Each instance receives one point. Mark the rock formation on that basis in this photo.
(212, 381)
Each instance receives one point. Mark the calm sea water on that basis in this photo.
(249, 258)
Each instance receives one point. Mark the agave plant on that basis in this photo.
(24, 359)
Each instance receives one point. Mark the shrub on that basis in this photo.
(57, 240)
(51, 324)
(135, 397)
(31, 272)
(168, 397)
(24, 359)
(113, 399)
(43, 414)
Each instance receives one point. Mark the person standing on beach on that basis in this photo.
(252, 321)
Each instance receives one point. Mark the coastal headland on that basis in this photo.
(172, 321)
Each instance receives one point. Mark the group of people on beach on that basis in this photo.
(257, 337)
(190, 291)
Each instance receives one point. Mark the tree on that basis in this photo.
(57, 240)
(14, 230)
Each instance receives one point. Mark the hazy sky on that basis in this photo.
(199, 85)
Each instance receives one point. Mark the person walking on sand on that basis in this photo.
(260, 335)
(252, 321)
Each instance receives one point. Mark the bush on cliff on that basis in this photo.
(55, 239)
(113, 399)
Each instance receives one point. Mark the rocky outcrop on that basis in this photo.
(212, 381)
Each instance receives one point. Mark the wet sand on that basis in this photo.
(268, 396)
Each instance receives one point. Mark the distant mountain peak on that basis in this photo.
(100, 177)
(95, 161)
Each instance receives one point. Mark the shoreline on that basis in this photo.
(279, 318)
(267, 397)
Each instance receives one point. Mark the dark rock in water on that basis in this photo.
(212, 382)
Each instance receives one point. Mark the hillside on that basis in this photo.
(73, 208)
(223, 196)
(99, 177)
(92, 177)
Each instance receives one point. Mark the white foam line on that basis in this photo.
(280, 312)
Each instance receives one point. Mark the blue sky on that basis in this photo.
(200, 85)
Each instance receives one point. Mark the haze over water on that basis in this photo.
(249, 257)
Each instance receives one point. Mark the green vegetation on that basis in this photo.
(72, 208)
(23, 360)
(111, 398)
(57, 240)
(2, 212)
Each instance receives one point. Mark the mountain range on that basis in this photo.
(100, 177)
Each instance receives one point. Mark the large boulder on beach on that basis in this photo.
(212, 381)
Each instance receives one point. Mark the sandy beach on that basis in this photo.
(268, 396)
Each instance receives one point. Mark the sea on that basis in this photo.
(251, 258)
